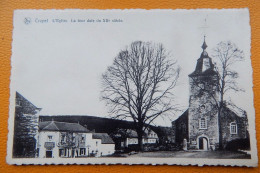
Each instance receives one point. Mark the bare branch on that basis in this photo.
(140, 82)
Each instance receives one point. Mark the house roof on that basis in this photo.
(225, 112)
(233, 113)
(24, 106)
(133, 134)
(105, 138)
(199, 66)
(183, 115)
(199, 70)
(19, 96)
(62, 126)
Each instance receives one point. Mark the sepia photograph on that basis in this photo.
(132, 87)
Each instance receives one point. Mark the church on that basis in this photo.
(198, 127)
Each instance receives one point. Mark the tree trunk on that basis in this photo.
(220, 109)
(140, 137)
(140, 142)
(219, 121)
(220, 129)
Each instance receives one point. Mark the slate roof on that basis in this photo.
(199, 66)
(105, 138)
(43, 124)
(233, 113)
(22, 98)
(225, 112)
(62, 126)
(198, 69)
(183, 115)
(24, 106)
(133, 134)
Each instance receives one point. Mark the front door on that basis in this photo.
(203, 143)
(48, 154)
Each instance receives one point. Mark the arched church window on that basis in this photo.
(203, 123)
(233, 128)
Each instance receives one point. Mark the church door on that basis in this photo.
(48, 154)
(203, 143)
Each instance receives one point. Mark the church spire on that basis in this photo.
(204, 45)
(204, 63)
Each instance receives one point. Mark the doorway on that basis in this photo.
(203, 143)
(48, 154)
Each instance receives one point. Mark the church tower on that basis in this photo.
(202, 112)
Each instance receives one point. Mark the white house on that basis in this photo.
(62, 139)
(150, 137)
(102, 144)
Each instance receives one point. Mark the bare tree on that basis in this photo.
(68, 142)
(225, 55)
(139, 83)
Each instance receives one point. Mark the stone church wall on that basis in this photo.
(202, 105)
(180, 127)
(230, 117)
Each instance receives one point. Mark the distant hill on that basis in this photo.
(104, 125)
(97, 124)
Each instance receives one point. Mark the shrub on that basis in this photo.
(238, 144)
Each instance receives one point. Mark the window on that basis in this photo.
(233, 128)
(61, 152)
(82, 151)
(50, 138)
(62, 140)
(82, 140)
(203, 123)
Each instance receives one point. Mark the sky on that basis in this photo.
(57, 65)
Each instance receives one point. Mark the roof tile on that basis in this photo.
(62, 126)
(105, 138)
